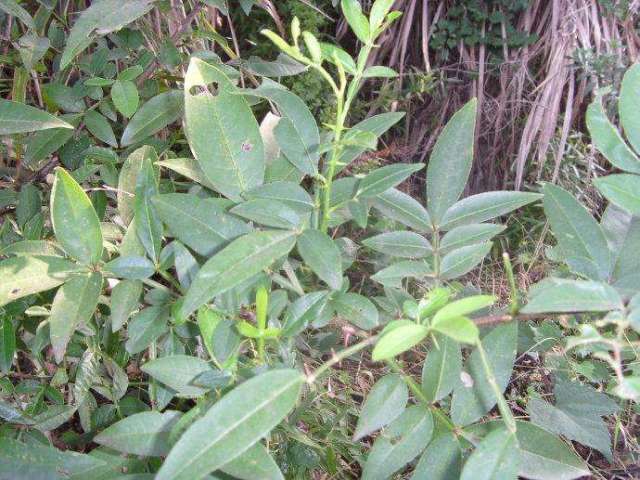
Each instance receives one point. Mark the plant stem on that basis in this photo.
(338, 357)
(505, 411)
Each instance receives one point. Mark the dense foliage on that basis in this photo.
(173, 297)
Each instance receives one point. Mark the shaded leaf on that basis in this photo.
(320, 252)
(385, 402)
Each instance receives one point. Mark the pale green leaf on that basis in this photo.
(153, 116)
(622, 189)
(627, 107)
(16, 117)
(125, 298)
(566, 295)
(12, 8)
(384, 178)
(464, 306)
(124, 94)
(355, 18)
(464, 259)
(179, 372)
(399, 340)
(400, 207)
(399, 244)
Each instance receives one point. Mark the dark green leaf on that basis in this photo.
(356, 309)
(153, 116)
(320, 252)
(441, 369)
(16, 117)
(99, 126)
(385, 402)
(495, 458)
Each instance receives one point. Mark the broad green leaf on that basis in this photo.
(12, 8)
(566, 295)
(32, 49)
(393, 275)
(130, 268)
(153, 116)
(485, 206)
(125, 298)
(289, 193)
(187, 167)
(45, 142)
(464, 306)
(622, 189)
(7, 344)
(322, 255)
(329, 51)
(145, 433)
(20, 461)
(233, 425)
(495, 458)
(74, 220)
(53, 417)
(144, 327)
(148, 224)
(179, 372)
(11, 414)
(270, 213)
(296, 132)
(356, 309)
(399, 340)
(222, 131)
(101, 18)
(399, 244)
(99, 126)
(459, 328)
(252, 464)
(607, 139)
(399, 444)
(579, 236)
(282, 66)
(128, 179)
(22, 276)
(32, 247)
(474, 398)
(466, 235)
(442, 460)
(378, 13)
(124, 94)
(382, 179)
(462, 260)
(450, 162)
(16, 117)
(623, 235)
(355, 18)
(305, 310)
(441, 369)
(629, 98)
(385, 402)
(239, 261)
(73, 305)
(200, 223)
(400, 207)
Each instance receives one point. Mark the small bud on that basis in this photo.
(313, 46)
(295, 30)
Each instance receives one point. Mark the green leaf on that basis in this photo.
(399, 244)
(200, 223)
(629, 98)
(385, 402)
(148, 224)
(607, 139)
(399, 340)
(356, 309)
(74, 220)
(579, 236)
(153, 116)
(22, 276)
(128, 179)
(450, 162)
(379, 11)
(474, 398)
(393, 275)
(32, 49)
(7, 344)
(400, 207)
(379, 71)
(441, 369)
(130, 267)
(329, 51)
(566, 296)
(144, 433)
(270, 213)
(623, 235)
(12, 8)
(623, 190)
(20, 461)
(355, 18)
(464, 306)
(320, 252)
(289, 193)
(99, 126)
(296, 132)
(462, 260)
(44, 143)
(124, 300)
(73, 305)
(101, 18)
(459, 328)
(485, 206)
(254, 463)
(382, 179)
(239, 261)
(16, 117)
(187, 167)
(53, 417)
(222, 132)
(124, 94)
(303, 311)
(442, 460)
(233, 425)
(467, 235)
(146, 326)
(179, 372)
(495, 458)
(399, 444)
